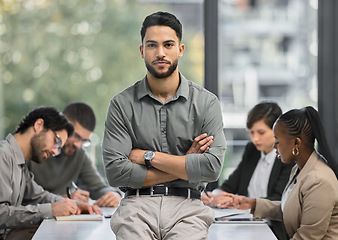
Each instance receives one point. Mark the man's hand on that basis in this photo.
(89, 209)
(80, 195)
(110, 199)
(137, 156)
(176, 168)
(201, 144)
(65, 207)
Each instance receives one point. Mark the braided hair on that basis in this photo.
(306, 124)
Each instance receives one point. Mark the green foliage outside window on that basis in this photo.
(56, 52)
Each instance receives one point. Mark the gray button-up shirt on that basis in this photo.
(137, 119)
(22, 201)
(76, 167)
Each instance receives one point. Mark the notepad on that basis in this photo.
(81, 217)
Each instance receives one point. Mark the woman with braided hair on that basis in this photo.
(309, 205)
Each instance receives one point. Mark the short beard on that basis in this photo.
(37, 146)
(166, 74)
(66, 149)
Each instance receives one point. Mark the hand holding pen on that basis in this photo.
(77, 194)
(64, 208)
(80, 198)
(207, 197)
(218, 199)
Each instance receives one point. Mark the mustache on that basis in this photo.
(160, 60)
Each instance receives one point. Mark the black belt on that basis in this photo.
(165, 191)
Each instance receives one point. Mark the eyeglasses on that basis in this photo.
(85, 142)
(57, 143)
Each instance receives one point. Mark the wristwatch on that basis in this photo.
(148, 156)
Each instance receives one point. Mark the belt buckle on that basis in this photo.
(152, 190)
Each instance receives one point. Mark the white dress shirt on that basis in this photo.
(288, 190)
(258, 186)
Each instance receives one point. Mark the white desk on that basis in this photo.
(240, 232)
(88, 230)
(74, 230)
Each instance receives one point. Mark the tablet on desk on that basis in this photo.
(251, 220)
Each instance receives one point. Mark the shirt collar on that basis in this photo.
(270, 157)
(182, 91)
(19, 158)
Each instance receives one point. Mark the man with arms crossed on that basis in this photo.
(149, 130)
(24, 203)
(74, 164)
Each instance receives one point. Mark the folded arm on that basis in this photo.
(169, 167)
(201, 162)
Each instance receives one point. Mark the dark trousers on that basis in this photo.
(278, 229)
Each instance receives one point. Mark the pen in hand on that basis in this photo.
(75, 186)
(68, 193)
(208, 198)
(68, 190)
(69, 196)
(73, 192)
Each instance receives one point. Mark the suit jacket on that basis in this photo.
(239, 180)
(311, 209)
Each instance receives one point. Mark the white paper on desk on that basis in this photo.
(81, 217)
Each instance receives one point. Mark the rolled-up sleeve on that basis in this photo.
(116, 147)
(207, 167)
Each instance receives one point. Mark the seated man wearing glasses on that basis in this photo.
(73, 165)
(23, 203)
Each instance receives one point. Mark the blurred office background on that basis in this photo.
(56, 52)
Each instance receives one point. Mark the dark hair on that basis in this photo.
(305, 123)
(53, 120)
(162, 19)
(267, 111)
(81, 113)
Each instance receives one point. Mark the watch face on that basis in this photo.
(149, 155)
